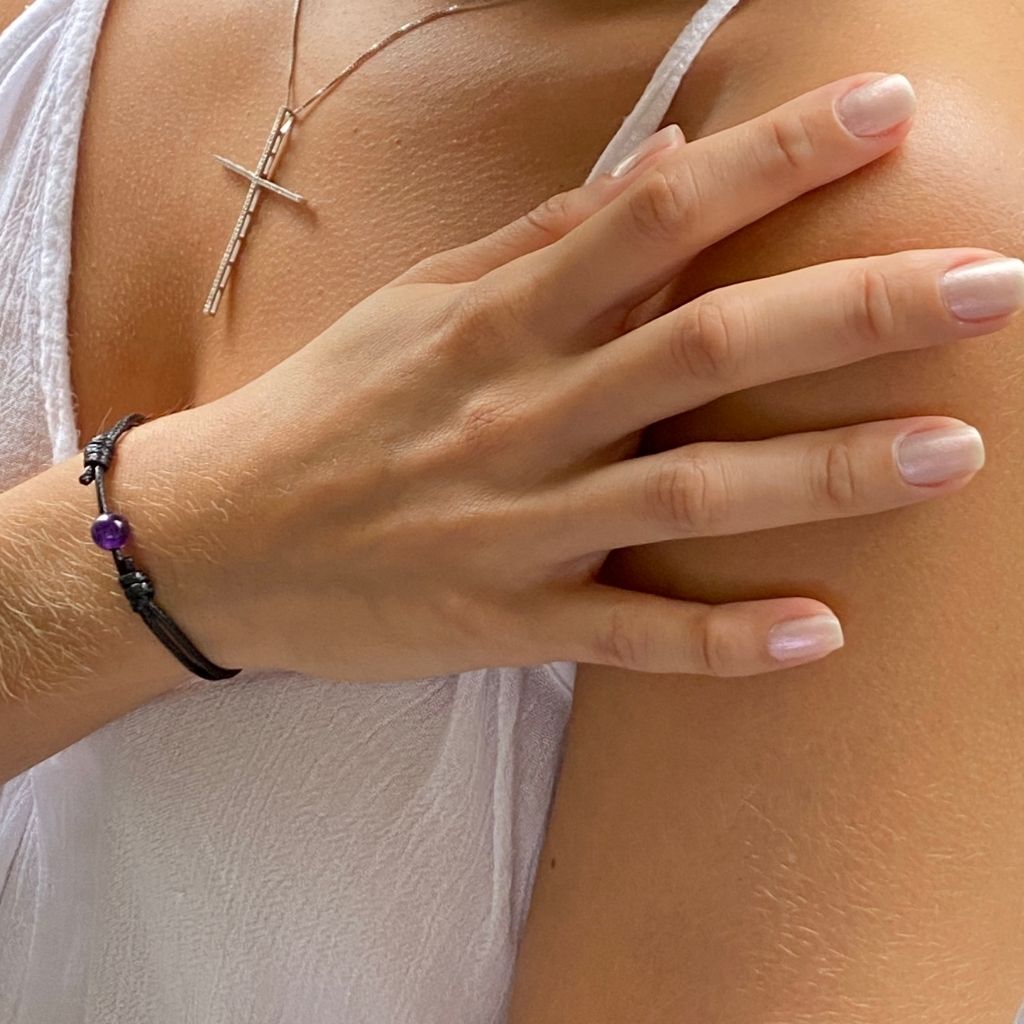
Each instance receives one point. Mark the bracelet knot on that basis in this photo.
(98, 453)
(137, 586)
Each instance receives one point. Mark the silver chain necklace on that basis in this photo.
(284, 121)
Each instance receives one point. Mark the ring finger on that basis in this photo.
(712, 488)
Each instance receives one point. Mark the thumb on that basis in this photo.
(544, 224)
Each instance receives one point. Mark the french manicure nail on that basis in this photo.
(935, 456)
(874, 108)
(805, 639)
(984, 289)
(668, 136)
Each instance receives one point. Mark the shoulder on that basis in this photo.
(956, 180)
(849, 777)
(764, 48)
(967, 141)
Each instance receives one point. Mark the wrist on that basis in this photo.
(162, 480)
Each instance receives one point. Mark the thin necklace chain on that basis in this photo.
(260, 180)
(441, 12)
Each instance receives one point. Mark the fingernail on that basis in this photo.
(984, 289)
(935, 456)
(805, 639)
(874, 108)
(668, 136)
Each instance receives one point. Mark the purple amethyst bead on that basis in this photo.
(111, 531)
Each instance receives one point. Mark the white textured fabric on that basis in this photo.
(45, 58)
(279, 848)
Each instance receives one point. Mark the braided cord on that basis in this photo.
(136, 584)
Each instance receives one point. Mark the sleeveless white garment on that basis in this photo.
(278, 848)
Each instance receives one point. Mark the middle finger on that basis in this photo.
(801, 322)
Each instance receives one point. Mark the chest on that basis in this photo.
(446, 134)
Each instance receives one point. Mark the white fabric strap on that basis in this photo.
(652, 106)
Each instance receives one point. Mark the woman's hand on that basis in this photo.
(433, 483)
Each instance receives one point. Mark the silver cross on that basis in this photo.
(258, 179)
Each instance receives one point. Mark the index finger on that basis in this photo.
(695, 195)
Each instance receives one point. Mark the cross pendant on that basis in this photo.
(259, 179)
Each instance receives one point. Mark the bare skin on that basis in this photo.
(152, 287)
(388, 187)
(396, 168)
(844, 846)
(409, 446)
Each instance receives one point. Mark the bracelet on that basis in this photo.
(111, 532)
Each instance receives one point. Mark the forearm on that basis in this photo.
(73, 655)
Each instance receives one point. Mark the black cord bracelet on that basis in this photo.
(111, 532)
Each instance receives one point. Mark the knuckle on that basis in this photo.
(664, 207)
(467, 328)
(484, 425)
(835, 479)
(708, 340)
(514, 310)
(553, 218)
(486, 314)
(789, 140)
(689, 495)
(473, 310)
(624, 642)
(718, 647)
(467, 614)
(443, 267)
(874, 310)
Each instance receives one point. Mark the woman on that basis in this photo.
(284, 847)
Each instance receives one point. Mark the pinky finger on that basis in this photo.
(647, 633)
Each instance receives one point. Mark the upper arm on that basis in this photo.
(840, 842)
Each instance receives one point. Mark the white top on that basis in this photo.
(278, 848)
